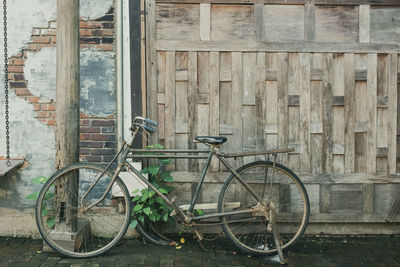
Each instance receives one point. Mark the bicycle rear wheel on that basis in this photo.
(248, 231)
(66, 225)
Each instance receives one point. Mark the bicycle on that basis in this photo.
(83, 210)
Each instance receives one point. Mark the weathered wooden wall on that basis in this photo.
(320, 78)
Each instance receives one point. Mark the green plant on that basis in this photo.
(34, 196)
(146, 203)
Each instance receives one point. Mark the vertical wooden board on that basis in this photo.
(398, 113)
(338, 79)
(161, 121)
(161, 71)
(271, 61)
(283, 118)
(249, 131)
(151, 61)
(232, 22)
(271, 128)
(327, 120)
(382, 128)
(316, 127)
(364, 23)
(205, 22)
(181, 143)
(284, 23)
(214, 102)
(385, 24)
(360, 61)
(181, 108)
(372, 112)
(349, 79)
(382, 74)
(294, 74)
(259, 22)
(192, 100)
(305, 112)
(293, 138)
(392, 113)
(170, 102)
(237, 103)
(361, 137)
(249, 81)
(178, 22)
(336, 24)
(181, 62)
(260, 101)
(203, 72)
(309, 22)
(225, 108)
(203, 127)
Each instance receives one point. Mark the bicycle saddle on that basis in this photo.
(213, 140)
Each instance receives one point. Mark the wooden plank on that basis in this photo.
(182, 142)
(249, 132)
(294, 78)
(237, 44)
(232, 22)
(178, 22)
(161, 121)
(181, 108)
(214, 102)
(161, 71)
(329, 26)
(316, 126)
(260, 100)
(259, 30)
(304, 113)
(271, 95)
(368, 198)
(283, 23)
(205, 21)
(309, 22)
(372, 112)
(192, 99)
(249, 81)
(349, 112)
(203, 128)
(324, 198)
(170, 102)
(327, 100)
(392, 113)
(203, 72)
(237, 102)
(151, 62)
(394, 209)
(364, 23)
(283, 118)
(385, 24)
(382, 113)
(361, 138)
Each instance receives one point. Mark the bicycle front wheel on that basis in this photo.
(67, 225)
(250, 231)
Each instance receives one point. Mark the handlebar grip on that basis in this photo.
(154, 123)
(149, 128)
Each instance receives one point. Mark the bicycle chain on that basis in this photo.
(6, 83)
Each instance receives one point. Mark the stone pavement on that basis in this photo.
(310, 251)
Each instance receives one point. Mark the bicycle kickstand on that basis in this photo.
(275, 233)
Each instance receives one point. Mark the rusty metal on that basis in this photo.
(255, 153)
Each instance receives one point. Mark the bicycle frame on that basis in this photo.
(126, 149)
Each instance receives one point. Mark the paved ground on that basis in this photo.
(310, 251)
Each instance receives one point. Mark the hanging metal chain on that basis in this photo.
(6, 83)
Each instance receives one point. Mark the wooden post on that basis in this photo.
(67, 102)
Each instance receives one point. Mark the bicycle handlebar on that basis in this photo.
(145, 124)
(151, 122)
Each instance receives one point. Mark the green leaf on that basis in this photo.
(152, 218)
(133, 224)
(199, 211)
(167, 177)
(48, 196)
(158, 146)
(145, 196)
(151, 201)
(153, 170)
(51, 221)
(44, 211)
(136, 198)
(33, 196)
(147, 211)
(165, 161)
(145, 171)
(135, 191)
(138, 207)
(141, 218)
(165, 217)
(40, 180)
(162, 190)
(160, 200)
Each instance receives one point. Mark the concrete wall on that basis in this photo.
(32, 42)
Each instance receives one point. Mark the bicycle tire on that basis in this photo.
(60, 214)
(249, 231)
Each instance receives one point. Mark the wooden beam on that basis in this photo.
(364, 23)
(289, 2)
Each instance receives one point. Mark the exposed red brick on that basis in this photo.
(32, 47)
(85, 40)
(19, 77)
(36, 107)
(45, 45)
(20, 54)
(85, 122)
(84, 32)
(18, 84)
(84, 46)
(84, 151)
(11, 76)
(85, 136)
(104, 47)
(90, 130)
(23, 92)
(51, 122)
(19, 61)
(90, 24)
(42, 114)
(41, 39)
(103, 123)
(33, 99)
(53, 39)
(17, 69)
(108, 25)
(107, 32)
(36, 32)
(102, 137)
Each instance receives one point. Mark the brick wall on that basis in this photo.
(98, 135)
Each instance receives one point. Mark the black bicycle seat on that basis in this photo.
(213, 140)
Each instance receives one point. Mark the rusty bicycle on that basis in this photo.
(83, 210)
